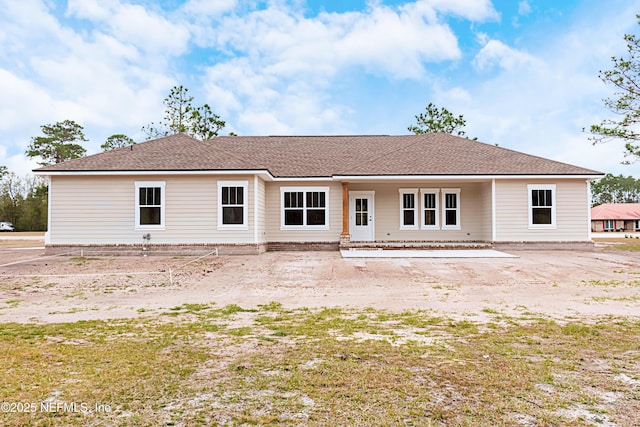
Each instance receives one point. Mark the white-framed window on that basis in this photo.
(150, 205)
(430, 213)
(542, 206)
(232, 205)
(408, 209)
(638, 225)
(609, 225)
(451, 209)
(304, 208)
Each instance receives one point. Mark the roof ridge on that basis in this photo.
(328, 136)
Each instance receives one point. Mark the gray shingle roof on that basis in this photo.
(323, 156)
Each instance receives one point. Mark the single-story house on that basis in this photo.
(251, 194)
(616, 217)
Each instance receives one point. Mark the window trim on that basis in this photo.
(245, 205)
(444, 192)
(436, 192)
(304, 225)
(416, 205)
(150, 184)
(552, 187)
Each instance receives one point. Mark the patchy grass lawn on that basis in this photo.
(199, 364)
(622, 244)
(635, 246)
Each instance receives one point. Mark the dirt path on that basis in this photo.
(558, 284)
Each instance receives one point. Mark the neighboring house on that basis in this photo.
(616, 217)
(250, 194)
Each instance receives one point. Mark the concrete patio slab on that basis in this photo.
(445, 253)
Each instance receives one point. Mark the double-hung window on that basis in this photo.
(304, 208)
(408, 209)
(451, 209)
(609, 225)
(232, 204)
(439, 209)
(150, 205)
(542, 206)
(430, 208)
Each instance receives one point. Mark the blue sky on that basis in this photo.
(524, 74)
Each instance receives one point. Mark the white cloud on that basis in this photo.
(264, 104)
(524, 8)
(473, 10)
(496, 53)
(17, 92)
(605, 158)
(94, 10)
(28, 28)
(282, 62)
(21, 165)
(201, 9)
(393, 41)
(482, 38)
(456, 95)
(147, 31)
(108, 78)
(17, 163)
(398, 42)
(263, 123)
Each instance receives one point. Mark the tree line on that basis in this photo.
(23, 201)
(615, 189)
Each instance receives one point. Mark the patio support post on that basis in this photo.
(344, 236)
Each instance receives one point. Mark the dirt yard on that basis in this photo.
(547, 338)
(558, 284)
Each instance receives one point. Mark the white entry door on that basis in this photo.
(361, 221)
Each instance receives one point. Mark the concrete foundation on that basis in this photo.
(545, 246)
(165, 250)
(258, 248)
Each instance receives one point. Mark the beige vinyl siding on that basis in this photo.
(273, 214)
(483, 211)
(475, 211)
(262, 232)
(87, 210)
(512, 212)
(101, 210)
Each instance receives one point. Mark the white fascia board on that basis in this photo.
(487, 178)
(312, 178)
(264, 174)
